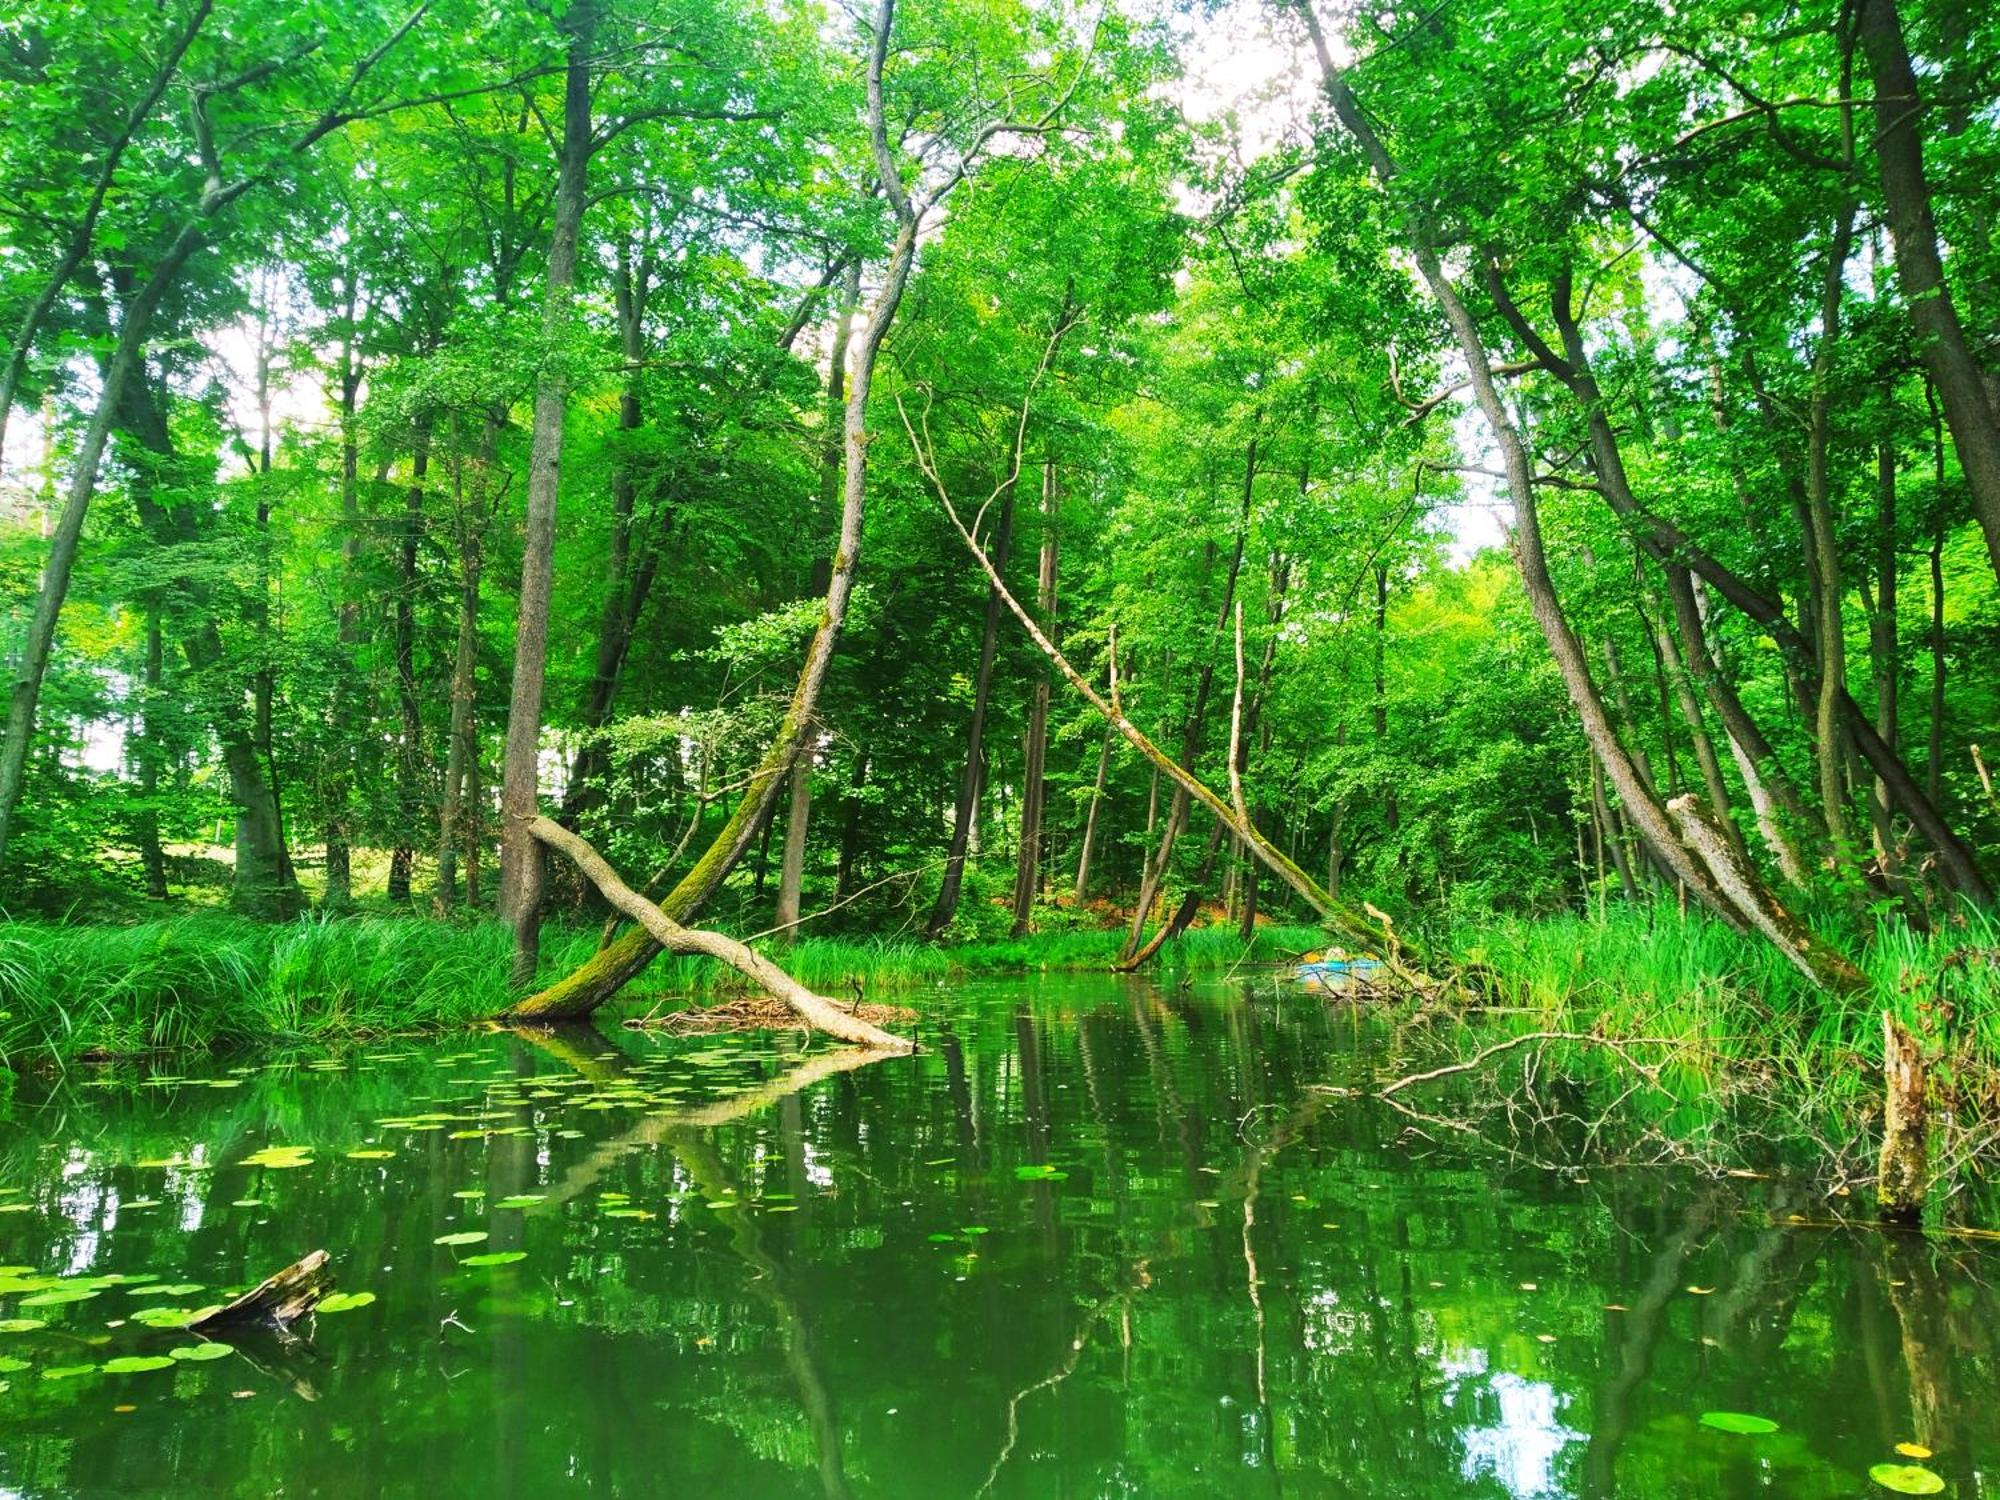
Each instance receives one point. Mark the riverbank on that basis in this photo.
(204, 981)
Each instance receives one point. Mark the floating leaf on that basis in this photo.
(192, 1353)
(1907, 1479)
(166, 1289)
(1041, 1173)
(12, 1366)
(521, 1200)
(344, 1302)
(67, 1372)
(975, 1229)
(1738, 1422)
(370, 1153)
(463, 1237)
(495, 1258)
(136, 1364)
(21, 1325)
(280, 1157)
(1913, 1450)
(59, 1295)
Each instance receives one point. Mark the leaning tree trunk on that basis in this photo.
(1941, 340)
(520, 855)
(601, 976)
(1714, 874)
(816, 1010)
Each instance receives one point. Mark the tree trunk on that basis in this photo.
(126, 363)
(1941, 341)
(520, 855)
(341, 736)
(1089, 839)
(1882, 653)
(1155, 873)
(822, 1014)
(599, 978)
(409, 758)
(967, 806)
(151, 856)
(1823, 554)
(1763, 777)
(850, 827)
(1034, 780)
(798, 817)
(1903, 1173)
(792, 863)
(1698, 737)
(461, 769)
(1722, 882)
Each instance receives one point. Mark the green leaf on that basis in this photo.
(344, 1302)
(199, 1353)
(1738, 1422)
(135, 1364)
(1907, 1479)
(495, 1258)
(463, 1237)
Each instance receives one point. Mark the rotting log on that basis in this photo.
(278, 1300)
(817, 1011)
(1903, 1173)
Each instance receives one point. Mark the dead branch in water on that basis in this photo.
(1614, 1044)
(815, 1010)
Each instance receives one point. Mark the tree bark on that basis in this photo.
(151, 856)
(1941, 341)
(409, 758)
(1034, 779)
(520, 900)
(967, 806)
(1823, 553)
(1090, 821)
(1882, 653)
(461, 770)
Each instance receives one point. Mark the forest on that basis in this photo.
(1475, 522)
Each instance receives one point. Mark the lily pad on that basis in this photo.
(280, 1157)
(199, 1353)
(463, 1237)
(136, 1364)
(67, 1372)
(1907, 1479)
(21, 1325)
(57, 1296)
(1738, 1422)
(344, 1302)
(370, 1153)
(521, 1200)
(495, 1258)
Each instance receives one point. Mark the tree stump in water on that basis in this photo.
(280, 1300)
(1904, 1170)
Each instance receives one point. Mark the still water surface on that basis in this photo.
(1098, 1239)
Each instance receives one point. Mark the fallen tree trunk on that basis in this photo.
(1340, 919)
(280, 1299)
(817, 1011)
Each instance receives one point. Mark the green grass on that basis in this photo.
(205, 980)
(1758, 1053)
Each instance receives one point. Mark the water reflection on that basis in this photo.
(1096, 1239)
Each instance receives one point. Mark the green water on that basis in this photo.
(1097, 1240)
